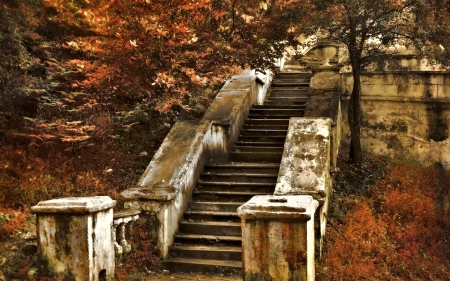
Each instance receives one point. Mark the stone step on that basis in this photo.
(225, 195)
(244, 168)
(222, 240)
(235, 186)
(214, 206)
(265, 157)
(206, 252)
(276, 112)
(293, 95)
(216, 216)
(282, 107)
(296, 74)
(283, 101)
(242, 143)
(292, 78)
(268, 121)
(289, 84)
(279, 139)
(210, 228)
(239, 177)
(263, 132)
(297, 97)
(202, 265)
(264, 117)
(258, 149)
(263, 126)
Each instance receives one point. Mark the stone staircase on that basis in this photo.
(209, 235)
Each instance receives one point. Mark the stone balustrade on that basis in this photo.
(81, 238)
(122, 226)
(167, 183)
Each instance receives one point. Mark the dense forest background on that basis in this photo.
(89, 89)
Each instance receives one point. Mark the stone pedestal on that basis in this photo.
(75, 237)
(278, 238)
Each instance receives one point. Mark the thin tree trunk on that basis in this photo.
(354, 116)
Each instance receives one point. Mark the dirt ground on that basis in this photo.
(166, 276)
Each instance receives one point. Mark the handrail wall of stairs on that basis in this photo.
(166, 186)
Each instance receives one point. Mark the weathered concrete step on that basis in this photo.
(289, 84)
(292, 78)
(235, 186)
(265, 157)
(209, 213)
(244, 168)
(259, 143)
(289, 91)
(239, 177)
(226, 196)
(283, 107)
(290, 88)
(214, 206)
(291, 74)
(283, 101)
(268, 121)
(294, 97)
(276, 112)
(210, 228)
(206, 252)
(264, 132)
(265, 127)
(203, 215)
(262, 138)
(259, 149)
(259, 116)
(193, 239)
(204, 183)
(200, 265)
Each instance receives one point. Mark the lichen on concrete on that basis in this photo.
(306, 158)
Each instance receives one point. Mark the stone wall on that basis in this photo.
(404, 113)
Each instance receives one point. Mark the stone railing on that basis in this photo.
(122, 226)
(165, 187)
(280, 227)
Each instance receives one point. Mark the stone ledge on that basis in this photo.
(269, 207)
(74, 205)
(161, 179)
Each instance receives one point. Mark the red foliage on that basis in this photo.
(12, 221)
(400, 232)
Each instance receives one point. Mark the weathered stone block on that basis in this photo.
(278, 238)
(327, 78)
(75, 237)
(305, 163)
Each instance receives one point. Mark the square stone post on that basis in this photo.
(278, 238)
(75, 237)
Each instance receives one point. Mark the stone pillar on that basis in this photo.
(278, 238)
(305, 165)
(75, 237)
(325, 78)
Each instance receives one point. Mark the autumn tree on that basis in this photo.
(372, 31)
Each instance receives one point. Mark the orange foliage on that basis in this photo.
(399, 233)
(12, 221)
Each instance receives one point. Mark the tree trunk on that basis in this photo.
(354, 115)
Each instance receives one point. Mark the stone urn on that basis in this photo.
(325, 50)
